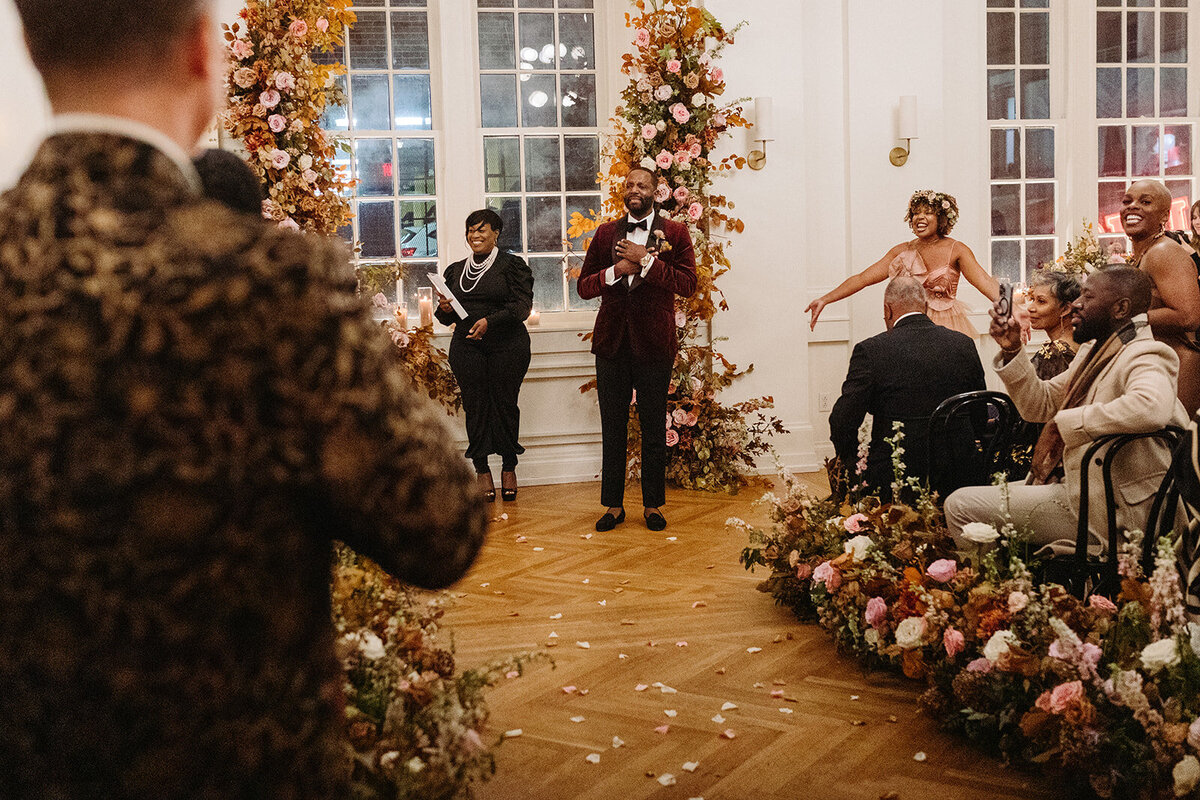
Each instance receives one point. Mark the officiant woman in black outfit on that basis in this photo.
(489, 352)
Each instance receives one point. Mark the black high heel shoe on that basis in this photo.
(489, 494)
(508, 493)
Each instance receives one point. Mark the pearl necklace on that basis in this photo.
(474, 272)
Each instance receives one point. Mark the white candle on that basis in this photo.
(402, 315)
(399, 291)
(534, 317)
(426, 309)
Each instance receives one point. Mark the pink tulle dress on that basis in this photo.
(941, 285)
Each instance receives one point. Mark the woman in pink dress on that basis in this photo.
(933, 258)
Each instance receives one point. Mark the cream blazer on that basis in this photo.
(1136, 393)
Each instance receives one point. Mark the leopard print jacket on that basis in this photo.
(193, 405)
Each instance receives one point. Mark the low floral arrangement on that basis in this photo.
(420, 358)
(670, 119)
(415, 726)
(1085, 255)
(277, 94)
(1107, 690)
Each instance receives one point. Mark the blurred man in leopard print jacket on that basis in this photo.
(192, 406)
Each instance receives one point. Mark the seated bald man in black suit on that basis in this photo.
(901, 375)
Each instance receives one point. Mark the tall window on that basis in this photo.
(388, 122)
(1023, 185)
(541, 153)
(1142, 103)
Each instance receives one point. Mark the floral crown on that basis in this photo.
(943, 204)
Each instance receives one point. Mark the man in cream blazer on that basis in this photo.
(1121, 381)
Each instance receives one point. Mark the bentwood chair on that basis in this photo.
(970, 440)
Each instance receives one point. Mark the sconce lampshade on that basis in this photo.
(764, 121)
(908, 117)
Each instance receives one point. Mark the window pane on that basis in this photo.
(498, 98)
(336, 118)
(415, 168)
(1139, 37)
(1039, 153)
(1035, 94)
(1035, 38)
(410, 40)
(538, 106)
(544, 228)
(1177, 146)
(574, 3)
(1174, 3)
(1181, 204)
(1037, 253)
(1006, 153)
(509, 209)
(585, 205)
(1174, 38)
(543, 170)
(1006, 210)
(1139, 92)
(578, 304)
(1006, 261)
(1173, 100)
(1145, 151)
(373, 167)
(497, 45)
(413, 107)
(579, 101)
(1039, 208)
(1109, 211)
(501, 164)
(1108, 37)
(377, 229)
(575, 46)
(495, 3)
(1001, 47)
(405, 3)
(547, 282)
(368, 41)
(418, 229)
(1108, 93)
(1035, 3)
(1002, 98)
(336, 54)
(536, 3)
(417, 273)
(537, 41)
(1000, 3)
(582, 156)
(1112, 151)
(372, 111)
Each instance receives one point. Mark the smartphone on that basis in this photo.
(1004, 304)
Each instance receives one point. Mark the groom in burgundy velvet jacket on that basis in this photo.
(636, 265)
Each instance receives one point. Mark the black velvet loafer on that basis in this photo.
(608, 521)
(656, 521)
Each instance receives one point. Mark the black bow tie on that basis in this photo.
(641, 224)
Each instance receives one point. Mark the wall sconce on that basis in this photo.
(764, 131)
(907, 129)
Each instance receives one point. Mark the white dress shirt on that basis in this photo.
(637, 237)
(131, 129)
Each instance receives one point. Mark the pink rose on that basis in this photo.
(979, 665)
(942, 570)
(826, 573)
(680, 319)
(269, 98)
(717, 75)
(1091, 654)
(695, 210)
(682, 158)
(285, 81)
(679, 415)
(641, 37)
(804, 571)
(244, 77)
(854, 523)
(674, 66)
(297, 125)
(280, 158)
(664, 159)
(241, 49)
(695, 150)
(954, 642)
(663, 93)
(672, 437)
(1194, 734)
(322, 24)
(289, 224)
(680, 112)
(649, 131)
(681, 195)
(876, 611)
(1056, 651)
(379, 300)
(1065, 696)
(1043, 702)
(691, 419)
(1102, 604)
(662, 193)
(310, 176)
(298, 28)
(719, 120)
(277, 122)
(1017, 602)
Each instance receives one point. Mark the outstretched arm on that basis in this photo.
(1174, 276)
(871, 275)
(975, 274)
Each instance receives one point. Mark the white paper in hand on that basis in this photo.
(439, 283)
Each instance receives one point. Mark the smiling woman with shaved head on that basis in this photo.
(1175, 311)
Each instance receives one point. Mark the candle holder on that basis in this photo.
(402, 315)
(425, 305)
(534, 318)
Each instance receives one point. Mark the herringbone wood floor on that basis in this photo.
(631, 592)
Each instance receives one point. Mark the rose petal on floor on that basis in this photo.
(718, 719)
(662, 729)
(578, 719)
(641, 687)
(727, 706)
(690, 766)
(593, 758)
(583, 645)
(618, 742)
(556, 616)
(699, 604)
(753, 650)
(666, 779)
(919, 756)
(728, 734)
(670, 712)
(514, 733)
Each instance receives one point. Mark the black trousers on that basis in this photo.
(489, 375)
(615, 381)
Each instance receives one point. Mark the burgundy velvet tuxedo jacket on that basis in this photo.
(645, 312)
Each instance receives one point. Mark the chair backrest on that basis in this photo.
(1181, 483)
(970, 437)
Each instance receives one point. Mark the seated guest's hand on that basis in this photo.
(1007, 333)
(1021, 315)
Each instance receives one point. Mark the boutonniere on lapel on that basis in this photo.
(658, 244)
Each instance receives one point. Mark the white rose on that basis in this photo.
(648, 163)
(662, 93)
(1187, 776)
(1194, 632)
(371, 645)
(697, 100)
(871, 637)
(980, 533)
(662, 126)
(415, 764)
(999, 643)
(1157, 655)
(857, 547)
(306, 161)
(910, 632)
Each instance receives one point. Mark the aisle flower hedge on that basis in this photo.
(670, 119)
(1107, 691)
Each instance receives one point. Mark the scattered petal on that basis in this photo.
(777, 693)
(521, 540)
(512, 673)
(627, 622)
(625, 582)
(670, 712)
(618, 590)
(720, 670)
(699, 604)
(593, 758)
(919, 756)
(662, 729)
(892, 718)
(777, 639)
(602, 603)
(666, 779)
(710, 566)
(504, 516)
(758, 685)
(727, 706)
(728, 734)
(583, 645)
(585, 536)
(672, 538)
(583, 692)
(569, 689)
(718, 719)
(778, 682)
(641, 687)
(556, 616)
(785, 711)
(858, 723)
(753, 650)
(622, 656)
(514, 733)
(853, 697)
(681, 644)
(552, 635)
(658, 684)
(587, 580)
(668, 690)
(690, 766)
(515, 614)
(538, 549)
(484, 585)
(578, 719)
(618, 742)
